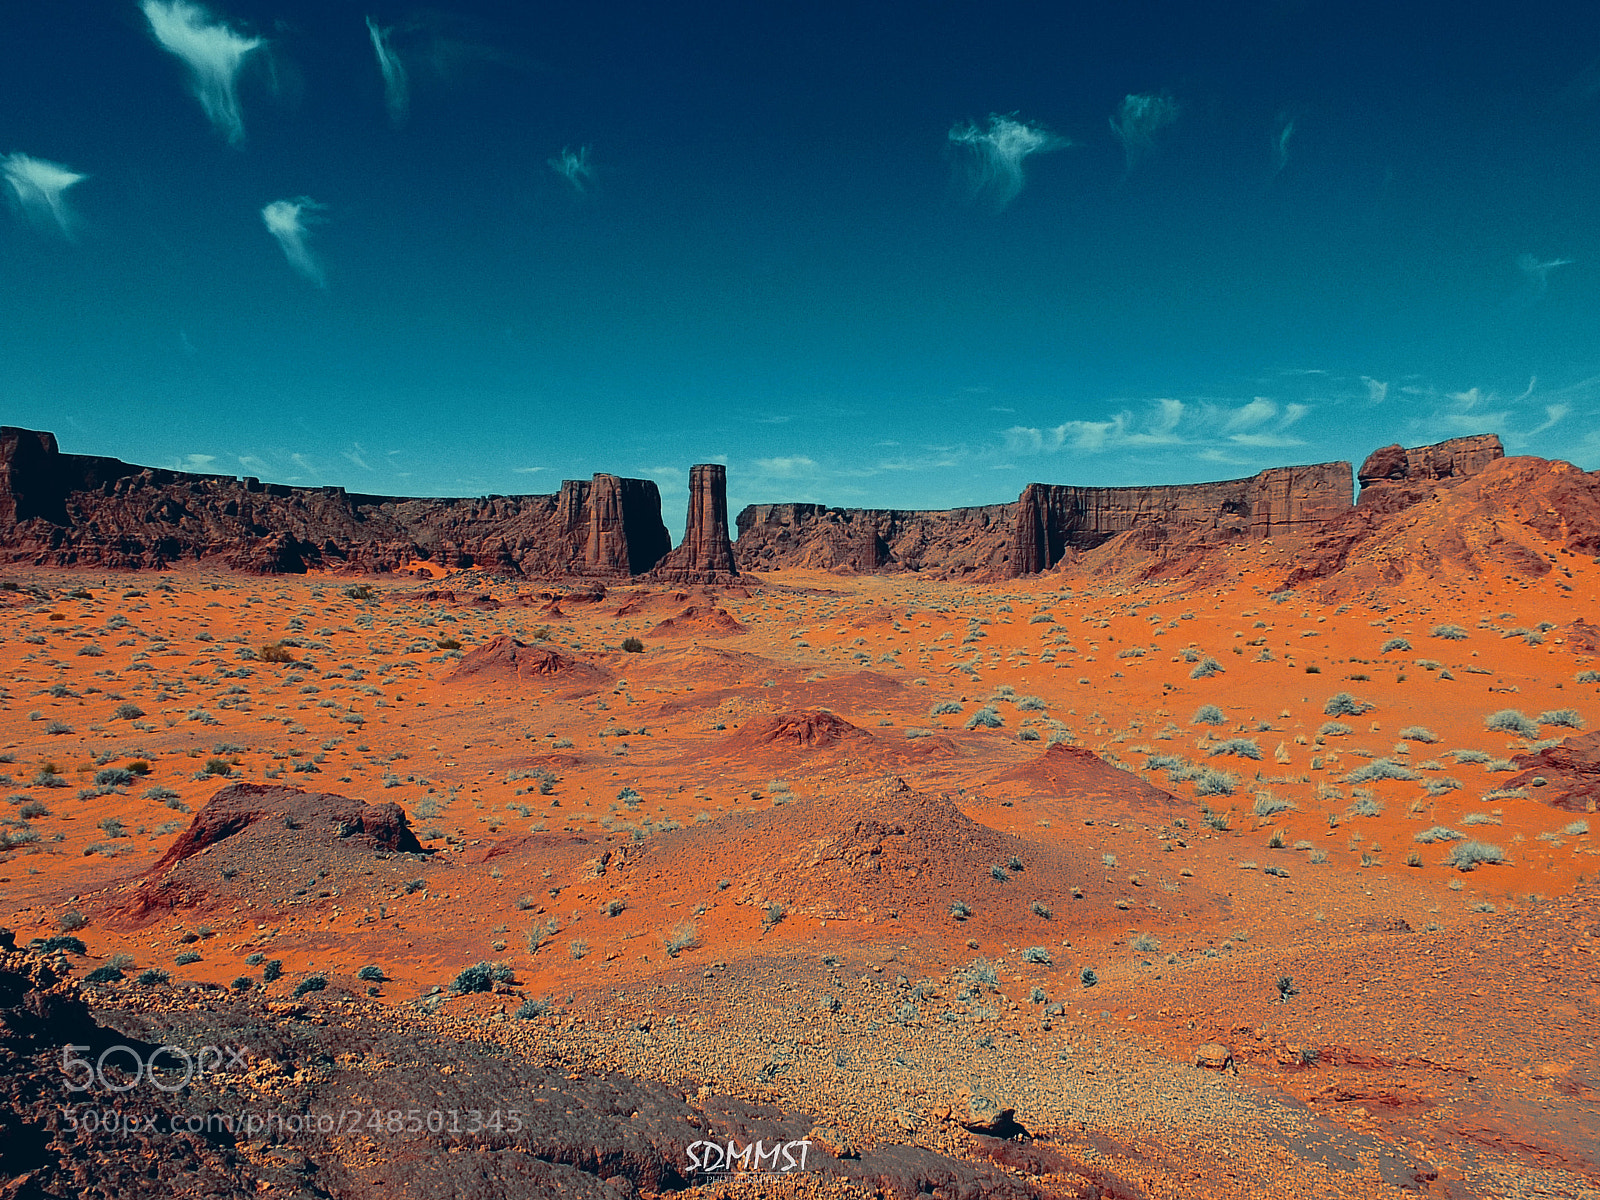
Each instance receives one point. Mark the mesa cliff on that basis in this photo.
(82, 510)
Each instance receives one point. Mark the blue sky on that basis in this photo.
(908, 255)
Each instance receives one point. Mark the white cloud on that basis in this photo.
(528, 470)
(39, 188)
(213, 52)
(1258, 412)
(1280, 142)
(786, 468)
(1377, 389)
(573, 167)
(1554, 414)
(1538, 271)
(396, 84)
(198, 463)
(996, 154)
(1138, 120)
(287, 221)
(355, 455)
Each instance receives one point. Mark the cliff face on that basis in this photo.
(705, 555)
(71, 509)
(1052, 519)
(1040, 528)
(950, 542)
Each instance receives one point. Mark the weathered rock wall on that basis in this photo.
(71, 509)
(706, 554)
(950, 542)
(1053, 519)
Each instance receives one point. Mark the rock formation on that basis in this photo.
(72, 509)
(705, 555)
(951, 542)
(1453, 459)
(1053, 519)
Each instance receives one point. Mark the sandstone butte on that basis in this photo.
(81, 510)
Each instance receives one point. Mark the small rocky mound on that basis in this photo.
(260, 832)
(799, 731)
(871, 852)
(503, 659)
(700, 620)
(1075, 773)
(1565, 777)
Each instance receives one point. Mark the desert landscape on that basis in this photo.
(1227, 841)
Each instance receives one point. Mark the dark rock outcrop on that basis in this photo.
(81, 510)
(1452, 459)
(1565, 777)
(706, 554)
(953, 542)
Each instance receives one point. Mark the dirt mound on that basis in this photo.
(879, 850)
(259, 833)
(799, 731)
(1566, 777)
(503, 659)
(1506, 519)
(702, 620)
(1082, 775)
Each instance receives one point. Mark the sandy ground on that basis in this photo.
(770, 853)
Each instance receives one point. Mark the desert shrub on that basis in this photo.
(1381, 768)
(55, 727)
(127, 712)
(360, 591)
(31, 809)
(254, 959)
(1334, 729)
(60, 944)
(1466, 855)
(1208, 714)
(1209, 782)
(272, 971)
(960, 910)
(218, 766)
(1042, 910)
(480, 977)
(153, 977)
(1450, 633)
(615, 906)
(1088, 978)
(774, 913)
(944, 709)
(1566, 718)
(632, 645)
(1206, 668)
(1469, 756)
(1239, 748)
(1344, 704)
(987, 717)
(1036, 954)
(1437, 834)
(1145, 943)
(113, 777)
(532, 1008)
(1509, 720)
(185, 957)
(71, 920)
(1267, 805)
(1576, 829)
(311, 983)
(1396, 643)
(1418, 733)
(275, 652)
(997, 872)
(371, 973)
(686, 935)
(1588, 677)
(1030, 704)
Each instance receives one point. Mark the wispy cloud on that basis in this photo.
(1377, 389)
(1537, 271)
(793, 467)
(528, 470)
(1167, 424)
(396, 84)
(287, 220)
(39, 188)
(574, 167)
(1159, 428)
(995, 155)
(356, 456)
(1139, 119)
(1280, 142)
(214, 53)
